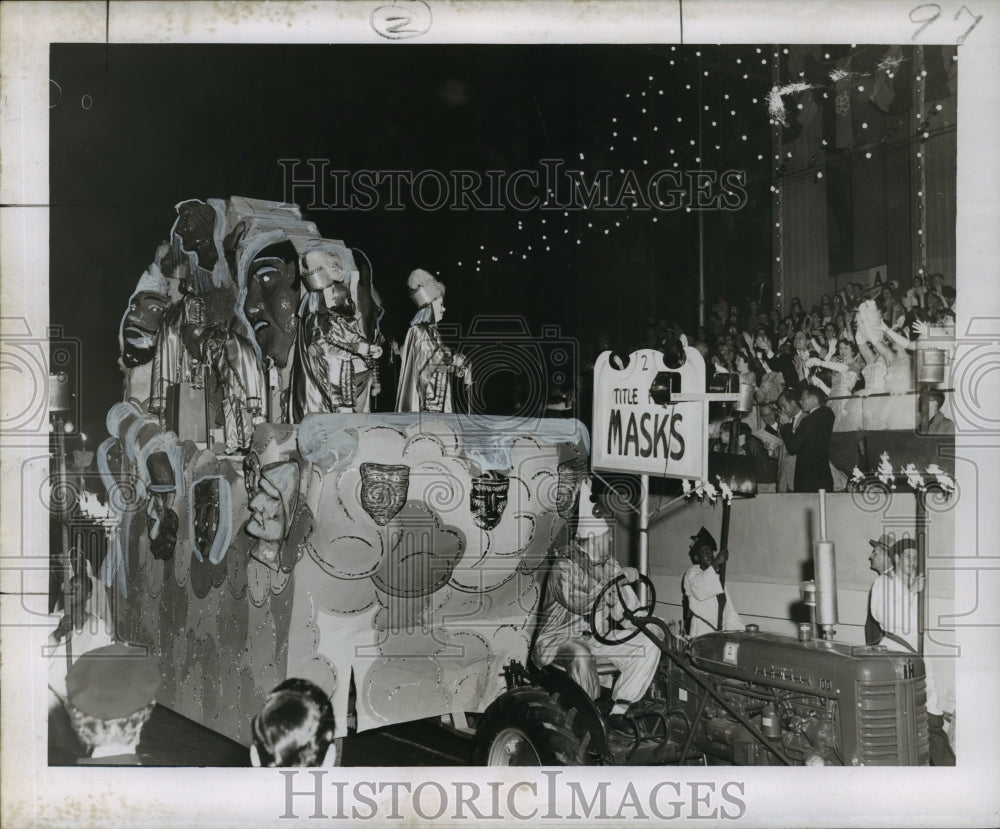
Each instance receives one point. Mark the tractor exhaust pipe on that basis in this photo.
(825, 572)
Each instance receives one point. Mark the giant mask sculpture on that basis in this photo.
(141, 325)
(196, 229)
(271, 301)
(211, 518)
(273, 490)
(161, 520)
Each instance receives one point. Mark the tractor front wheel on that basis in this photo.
(528, 727)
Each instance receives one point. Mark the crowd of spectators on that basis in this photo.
(854, 342)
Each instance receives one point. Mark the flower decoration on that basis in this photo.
(913, 476)
(706, 489)
(910, 474)
(885, 472)
(943, 479)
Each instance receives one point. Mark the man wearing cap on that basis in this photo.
(580, 571)
(879, 561)
(702, 588)
(894, 603)
(426, 362)
(334, 360)
(110, 694)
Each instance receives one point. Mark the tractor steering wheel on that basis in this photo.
(644, 612)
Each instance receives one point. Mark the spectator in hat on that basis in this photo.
(426, 362)
(110, 694)
(703, 589)
(880, 561)
(294, 728)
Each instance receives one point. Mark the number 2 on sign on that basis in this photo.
(927, 13)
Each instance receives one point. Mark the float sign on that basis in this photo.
(631, 433)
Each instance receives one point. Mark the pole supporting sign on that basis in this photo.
(632, 433)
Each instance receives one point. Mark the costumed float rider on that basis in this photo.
(334, 360)
(240, 378)
(138, 335)
(173, 363)
(702, 589)
(426, 362)
(579, 573)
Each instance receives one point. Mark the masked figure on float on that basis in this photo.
(210, 331)
(427, 364)
(335, 360)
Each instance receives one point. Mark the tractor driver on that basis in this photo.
(579, 573)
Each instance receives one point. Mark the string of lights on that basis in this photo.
(659, 123)
(663, 121)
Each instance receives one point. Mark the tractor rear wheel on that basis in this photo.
(529, 727)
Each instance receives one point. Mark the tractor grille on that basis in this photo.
(892, 723)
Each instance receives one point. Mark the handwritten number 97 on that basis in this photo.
(927, 13)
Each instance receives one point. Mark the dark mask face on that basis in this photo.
(145, 311)
(162, 547)
(271, 306)
(206, 514)
(144, 314)
(488, 500)
(196, 228)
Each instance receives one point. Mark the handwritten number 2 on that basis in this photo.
(924, 21)
(975, 22)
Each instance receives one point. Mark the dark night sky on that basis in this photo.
(166, 123)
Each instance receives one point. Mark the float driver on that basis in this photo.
(579, 573)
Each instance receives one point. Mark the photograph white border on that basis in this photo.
(35, 795)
